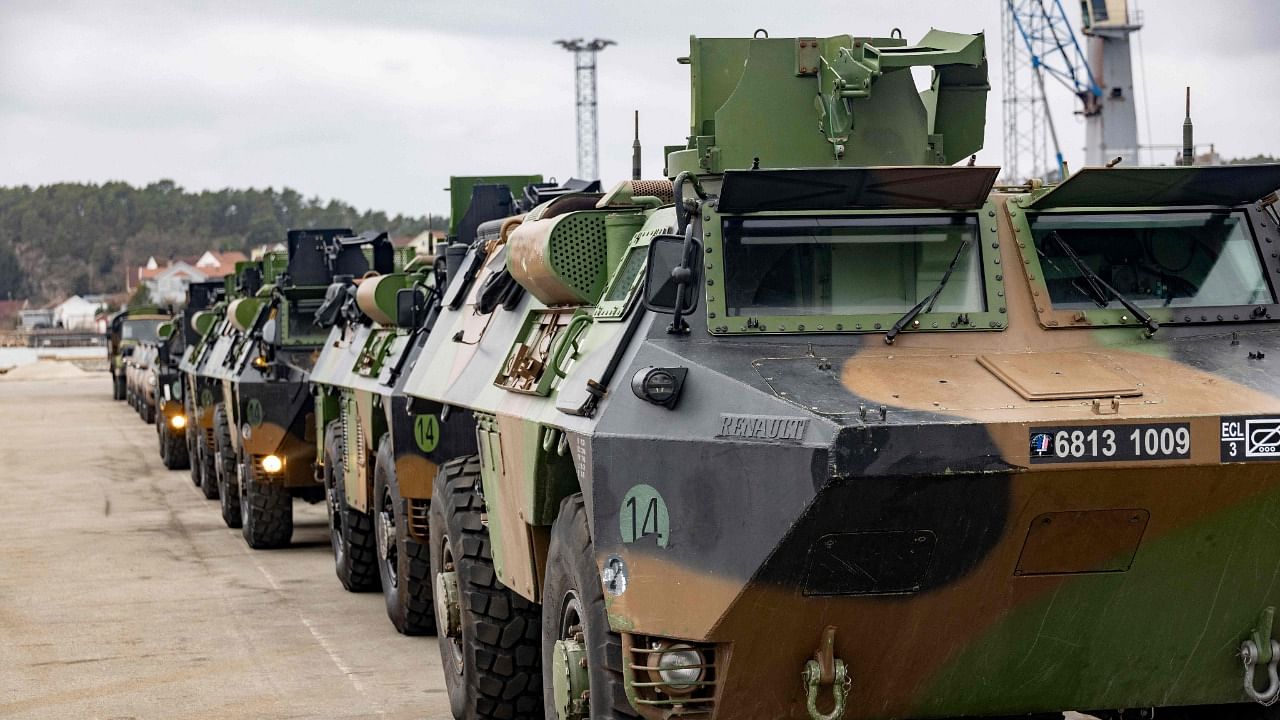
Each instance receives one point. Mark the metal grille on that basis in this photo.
(419, 514)
(661, 189)
(641, 674)
(578, 252)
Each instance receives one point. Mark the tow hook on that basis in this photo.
(1260, 650)
(825, 670)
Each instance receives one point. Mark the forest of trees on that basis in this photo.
(68, 238)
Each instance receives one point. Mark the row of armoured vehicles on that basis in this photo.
(824, 424)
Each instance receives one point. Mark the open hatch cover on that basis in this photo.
(1215, 185)
(879, 188)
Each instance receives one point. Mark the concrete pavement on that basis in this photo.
(123, 595)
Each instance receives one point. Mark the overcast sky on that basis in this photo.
(377, 103)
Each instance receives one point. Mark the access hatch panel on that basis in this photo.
(1061, 375)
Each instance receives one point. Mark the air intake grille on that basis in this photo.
(419, 524)
(578, 253)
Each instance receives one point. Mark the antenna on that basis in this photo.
(584, 73)
(635, 151)
(1188, 132)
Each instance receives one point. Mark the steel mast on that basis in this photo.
(584, 73)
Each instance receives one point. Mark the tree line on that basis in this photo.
(74, 238)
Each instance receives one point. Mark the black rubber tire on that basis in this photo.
(499, 675)
(350, 531)
(192, 435)
(221, 468)
(117, 387)
(148, 412)
(406, 586)
(173, 447)
(571, 572)
(211, 475)
(266, 511)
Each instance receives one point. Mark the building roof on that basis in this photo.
(212, 265)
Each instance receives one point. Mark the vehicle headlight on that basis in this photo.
(272, 464)
(680, 667)
(177, 422)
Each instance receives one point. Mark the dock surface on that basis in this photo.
(123, 594)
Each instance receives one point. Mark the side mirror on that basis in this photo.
(409, 303)
(668, 272)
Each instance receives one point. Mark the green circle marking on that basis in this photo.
(253, 412)
(206, 397)
(426, 432)
(643, 514)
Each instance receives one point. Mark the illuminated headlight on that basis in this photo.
(261, 362)
(177, 422)
(272, 464)
(680, 667)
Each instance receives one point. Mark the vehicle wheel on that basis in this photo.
(192, 434)
(266, 511)
(350, 531)
(175, 447)
(488, 634)
(117, 387)
(220, 469)
(404, 564)
(148, 412)
(216, 464)
(573, 611)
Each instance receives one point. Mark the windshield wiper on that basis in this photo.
(926, 305)
(1096, 281)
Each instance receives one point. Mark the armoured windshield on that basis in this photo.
(1174, 259)
(145, 331)
(847, 266)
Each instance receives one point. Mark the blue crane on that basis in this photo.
(1054, 49)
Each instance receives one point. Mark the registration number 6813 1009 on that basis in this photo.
(1111, 442)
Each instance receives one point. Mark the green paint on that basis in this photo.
(1166, 632)
(861, 99)
(644, 513)
(206, 397)
(253, 412)
(426, 432)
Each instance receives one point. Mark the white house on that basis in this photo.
(77, 313)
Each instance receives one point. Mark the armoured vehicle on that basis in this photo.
(203, 369)
(846, 431)
(373, 451)
(167, 378)
(267, 424)
(124, 332)
(137, 363)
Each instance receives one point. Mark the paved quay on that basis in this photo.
(123, 595)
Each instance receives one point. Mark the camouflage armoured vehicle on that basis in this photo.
(203, 368)
(848, 432)
(267, 424)
(124, 332)
(374, 447)
(172, 413)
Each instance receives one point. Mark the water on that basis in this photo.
(12, 357)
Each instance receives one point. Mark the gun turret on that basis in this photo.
(833, 102)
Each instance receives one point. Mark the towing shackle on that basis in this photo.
(1252, 656)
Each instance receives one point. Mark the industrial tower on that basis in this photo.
(584, 73)
(1112, 132)
(1038, 42)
